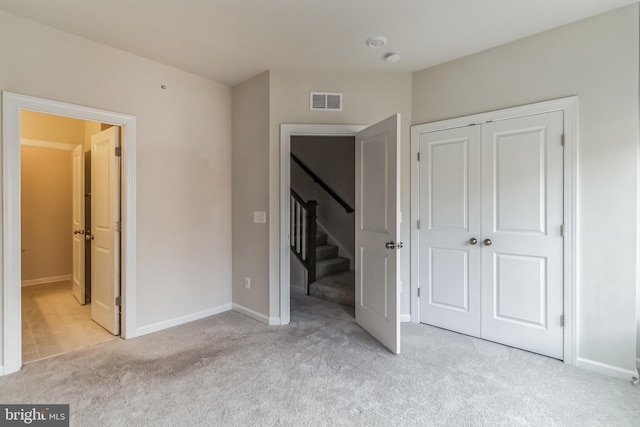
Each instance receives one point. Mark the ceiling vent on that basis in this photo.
(324, 101)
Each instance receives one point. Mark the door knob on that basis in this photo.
(487, 242)
(473, 241)
(390, 245)
(88, 236)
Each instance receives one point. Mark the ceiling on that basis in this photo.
(232, 40)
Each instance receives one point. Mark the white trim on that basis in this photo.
(255, 315)
(1, 370)
(286, 132)
(170, 323)
(638, 362)
(65, 146)
(604, 369)
(405, 318)
(569, 106)
(12, 104)
(45, 280)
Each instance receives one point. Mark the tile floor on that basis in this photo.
(53, 322)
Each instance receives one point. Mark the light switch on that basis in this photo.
(260, 217)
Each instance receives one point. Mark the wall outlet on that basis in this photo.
(247, 282)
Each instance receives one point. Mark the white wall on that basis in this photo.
(596, 59)
(183, 175)
(368, 98)
(250, 193)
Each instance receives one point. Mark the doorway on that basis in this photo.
(57, 311)
(323, 188)
(377, 224)
(286, 133)
(13, 104)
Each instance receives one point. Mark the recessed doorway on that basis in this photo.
(13, 104)
(56, 230)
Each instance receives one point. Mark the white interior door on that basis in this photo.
(449, 256)
(77, 276)
(522, 219)
(377, 231)
(105, 217)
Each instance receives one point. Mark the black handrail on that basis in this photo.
(322, 184)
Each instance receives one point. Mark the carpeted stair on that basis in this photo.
(334, 281)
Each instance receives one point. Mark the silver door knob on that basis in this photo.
(88, 236)
(487, 242)
(473, 241)
(390, 245)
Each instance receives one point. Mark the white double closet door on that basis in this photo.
(491, 231)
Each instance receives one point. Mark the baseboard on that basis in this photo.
(43, 280)
(1, 370)
(255, 315)
(405, 318)
(603, 368)
(165, 324)
(638, 363)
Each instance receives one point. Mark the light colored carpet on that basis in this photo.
(322, 369)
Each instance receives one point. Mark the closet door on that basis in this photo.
(450, 229)
(522, 242)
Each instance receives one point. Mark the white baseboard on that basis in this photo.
(1, 370)
(255, 315)
(165, 324)
(603, 368)
(638, 363)
(405, 318)
(43, 280)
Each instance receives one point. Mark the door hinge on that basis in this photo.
(118, 227)
(418, 292)
(418, 224)
(118, 151)
(118, 301)
(563, 230)
(418, 156)
(562, 140)
(562, 320)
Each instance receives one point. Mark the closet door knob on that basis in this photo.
(487, 242)
(473, 241)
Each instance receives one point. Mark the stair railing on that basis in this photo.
(303, 234)
(322, 184)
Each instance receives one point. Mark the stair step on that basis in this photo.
(326, 252)
(321, 239)
(330, 266)
(338, 288)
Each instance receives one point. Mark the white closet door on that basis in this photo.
(522, 218)
(450, 229)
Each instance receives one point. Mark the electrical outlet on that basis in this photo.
(247, 282)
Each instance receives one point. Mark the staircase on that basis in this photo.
(334, 281)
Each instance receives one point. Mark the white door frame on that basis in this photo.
(11, 257)
(286, 132)
(569, 106)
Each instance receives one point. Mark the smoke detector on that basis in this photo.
(376, 41)
(392, 57)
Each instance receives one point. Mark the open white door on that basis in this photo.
(377, 231)
(77, 275)
(105, 237)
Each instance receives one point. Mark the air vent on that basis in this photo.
(324, 101)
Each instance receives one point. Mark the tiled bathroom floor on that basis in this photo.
(53, 322)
